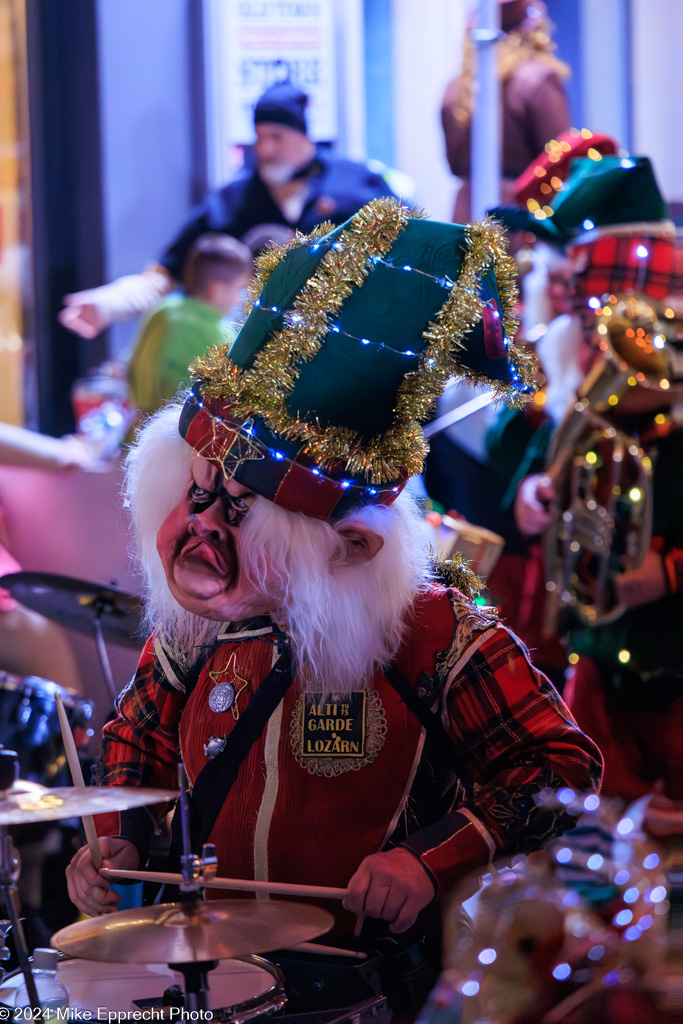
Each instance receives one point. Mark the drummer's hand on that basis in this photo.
(392, 886)
(87, 888)
(534, 504)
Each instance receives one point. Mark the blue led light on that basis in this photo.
(278, 455)
(258, 302)
(588, 224)
(364, 341)
(408, 353)
(346, 483)
(335, 329)
(564, 855)
(315, 248)
(316, 472)
(470, 988)
(632, 933)
(627, 164)
(623, 918)
(594, 302)
(372, 491)
(642, 252)
(562, 972)
(407, 268)
(651, 861)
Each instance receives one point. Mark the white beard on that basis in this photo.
(345, 622)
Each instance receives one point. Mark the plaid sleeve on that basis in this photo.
(515, 735)
(140, 748)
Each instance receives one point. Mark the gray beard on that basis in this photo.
(276, 174)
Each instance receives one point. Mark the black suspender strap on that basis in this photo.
(217, 776)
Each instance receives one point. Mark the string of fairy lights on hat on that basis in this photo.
(253, 443)
(294, 320)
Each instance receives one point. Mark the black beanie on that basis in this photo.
(282, 103)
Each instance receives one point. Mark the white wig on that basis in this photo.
(344, 621)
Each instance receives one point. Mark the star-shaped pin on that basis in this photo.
(225, 695)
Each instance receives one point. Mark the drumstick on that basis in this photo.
(77, 779)
(241, 884)
(318, 947)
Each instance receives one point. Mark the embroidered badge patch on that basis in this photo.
(334, 733)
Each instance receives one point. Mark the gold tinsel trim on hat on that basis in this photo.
(459, 314)
(264, 388)
(266, 262)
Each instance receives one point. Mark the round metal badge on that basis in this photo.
(222, 697)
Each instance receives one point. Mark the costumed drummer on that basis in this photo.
(344, 720)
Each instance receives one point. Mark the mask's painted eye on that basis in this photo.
(235, 508)
(199, 498)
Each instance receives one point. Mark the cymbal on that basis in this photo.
(175, 933)
(27, 802)
(77, 604)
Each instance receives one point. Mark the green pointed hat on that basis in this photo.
(350, 336)
(612, 195)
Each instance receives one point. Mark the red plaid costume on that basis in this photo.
(508, 725)
(613, 264)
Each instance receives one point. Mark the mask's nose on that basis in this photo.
(209, 522)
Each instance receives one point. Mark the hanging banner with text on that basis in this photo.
(265, 41)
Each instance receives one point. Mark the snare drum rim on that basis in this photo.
(240, 1013)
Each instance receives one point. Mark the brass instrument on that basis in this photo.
(602, 477)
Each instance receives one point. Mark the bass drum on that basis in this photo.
(240, 990)
(29, 724)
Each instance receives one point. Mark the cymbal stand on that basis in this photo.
(102, 607)
(9, 876)
(195, 870)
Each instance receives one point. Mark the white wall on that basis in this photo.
(146, 138)
(427, 54)
(657, 90)
(605, 58)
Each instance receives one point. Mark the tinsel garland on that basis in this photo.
(266, 262)
(264, 388)
(456, 572)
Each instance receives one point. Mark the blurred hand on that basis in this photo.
(391, 886)
(643, 585)
(663, 816)
(534, 504)
(87, 888)
(82, 318)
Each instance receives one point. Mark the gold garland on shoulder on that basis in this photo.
(264, 388)
(456, 572)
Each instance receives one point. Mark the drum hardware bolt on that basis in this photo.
(208, 862)
(5, 951)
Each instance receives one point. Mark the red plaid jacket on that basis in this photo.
(511, 733)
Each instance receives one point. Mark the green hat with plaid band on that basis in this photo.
(350, 336)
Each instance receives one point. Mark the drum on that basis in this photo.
(29, 724)
(240, 990)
